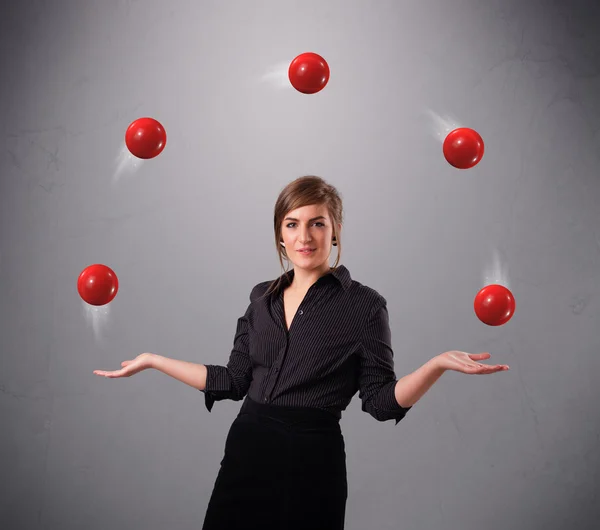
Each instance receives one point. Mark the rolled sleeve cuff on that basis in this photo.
(218, 385)
(389, 408)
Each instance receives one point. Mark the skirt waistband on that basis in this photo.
(288, 414)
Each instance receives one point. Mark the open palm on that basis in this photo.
(141, 362)
(466, 363)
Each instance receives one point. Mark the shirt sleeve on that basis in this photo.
(377, 380)
(233, 380)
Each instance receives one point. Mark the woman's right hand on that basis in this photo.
(141, 362)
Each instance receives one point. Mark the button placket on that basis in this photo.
(272, 381)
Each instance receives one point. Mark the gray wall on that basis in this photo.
(190, 232)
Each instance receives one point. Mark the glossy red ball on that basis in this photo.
(309, 73)
(463, 148)
(97, 285)
(494, 305)
(145, 138)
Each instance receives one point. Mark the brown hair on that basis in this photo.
(306, 191)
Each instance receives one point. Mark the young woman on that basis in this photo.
(307, 343)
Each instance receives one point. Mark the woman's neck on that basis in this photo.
(303, 279)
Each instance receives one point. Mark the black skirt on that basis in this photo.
(284, 468)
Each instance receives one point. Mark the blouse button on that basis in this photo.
(301, 312)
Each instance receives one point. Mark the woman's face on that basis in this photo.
(309, 226)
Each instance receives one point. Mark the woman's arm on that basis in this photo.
(186, 372)
(410, 388)
(191, 374)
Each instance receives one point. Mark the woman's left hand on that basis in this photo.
(460, 361)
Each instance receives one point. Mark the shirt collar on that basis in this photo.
(340, 273)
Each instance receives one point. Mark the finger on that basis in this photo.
(496, 368)
(479, 368)
(104, 373)
(118, 373)
(479, 356)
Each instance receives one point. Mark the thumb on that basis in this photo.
(480, 356)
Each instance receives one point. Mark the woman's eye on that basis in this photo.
(289, 225)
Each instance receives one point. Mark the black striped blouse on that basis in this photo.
(339, 343)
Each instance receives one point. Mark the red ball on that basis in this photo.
(309, 73)
(463, 148)
(145, 138)
(97, 285)
(494, 305)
